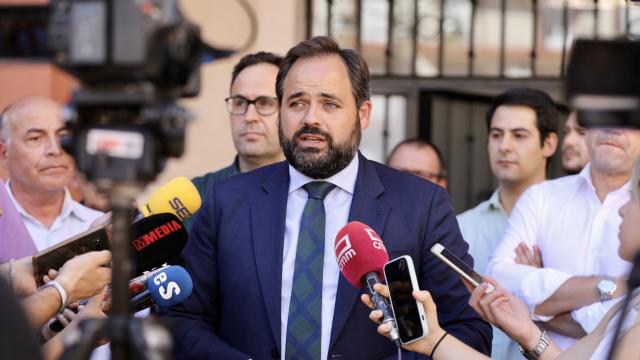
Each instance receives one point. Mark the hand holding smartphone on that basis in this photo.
(464, 270)
(408, 313)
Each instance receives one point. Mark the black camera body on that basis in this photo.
(134, 60)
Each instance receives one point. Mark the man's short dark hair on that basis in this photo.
(421, 143)
(323, 46)
(254, 59)
(547, 117)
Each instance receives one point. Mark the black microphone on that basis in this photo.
(156, 240)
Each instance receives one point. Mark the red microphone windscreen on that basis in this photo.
(359, 250)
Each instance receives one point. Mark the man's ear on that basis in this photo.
(549, 145)
(364, 113)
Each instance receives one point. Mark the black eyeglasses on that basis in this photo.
(238, 105)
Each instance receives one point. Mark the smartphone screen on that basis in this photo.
(409, 319)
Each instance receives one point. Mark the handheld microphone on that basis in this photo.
(361, 256)
(165, 288)
(178, 196)
(156, 240)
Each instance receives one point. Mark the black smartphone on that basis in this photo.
(459, 266)
(408, 313)
(94, 239)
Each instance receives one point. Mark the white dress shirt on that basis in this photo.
(577, 235)
(336, 204)
(73, 219)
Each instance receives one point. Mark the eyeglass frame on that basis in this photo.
(250, 102)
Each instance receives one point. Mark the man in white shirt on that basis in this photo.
(573, 221)
(30, 131)
(523, 126)
(39, 171)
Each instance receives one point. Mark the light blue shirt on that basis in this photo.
(336, 204)
(482, 227)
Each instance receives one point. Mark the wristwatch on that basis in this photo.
(539, 349)
(605, 289)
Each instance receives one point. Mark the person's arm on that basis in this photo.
(574, 293)
(438, 344)
(54, 347)
(81, 277)
(195, 320)
(565, 325)
(20, 275)
(444, 284)
(531, 284)
(511, 315)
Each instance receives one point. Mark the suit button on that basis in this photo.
(275, 353)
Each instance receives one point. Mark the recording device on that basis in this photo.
(407, 312)
(178, 196)
(361, 256)
(603, 83)
(156, 239)
(165, 288)
(459, 266)
(95, 239)
(136, 286)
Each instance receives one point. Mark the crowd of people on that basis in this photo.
(260, 252)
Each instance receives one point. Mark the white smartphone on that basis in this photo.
(407, 311)
(459, 266)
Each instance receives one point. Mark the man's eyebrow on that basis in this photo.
(329, 96)
(295, 95)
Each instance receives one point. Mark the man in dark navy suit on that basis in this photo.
(260, 253)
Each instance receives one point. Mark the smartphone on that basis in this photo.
(459, 266)
(94, 239)
(407, 311)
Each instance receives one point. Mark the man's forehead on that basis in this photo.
(325, 74)
(36, 116)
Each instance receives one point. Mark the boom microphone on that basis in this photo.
(361, 256)
(155, 240)
(178, 196)
(167, 287)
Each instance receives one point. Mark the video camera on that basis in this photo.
(134, 59)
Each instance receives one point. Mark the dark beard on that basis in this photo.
(310, 162)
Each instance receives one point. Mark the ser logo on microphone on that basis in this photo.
(181, 211)
(172, 287)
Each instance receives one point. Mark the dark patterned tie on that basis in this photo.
(305, 309)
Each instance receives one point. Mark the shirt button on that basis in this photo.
(275, 353)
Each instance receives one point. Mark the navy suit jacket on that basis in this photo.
(234, 256)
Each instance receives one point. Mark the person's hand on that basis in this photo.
(65, 319)
(528, 256)
(507, 312)
(423, 345)
(24, 282)
(85, 275)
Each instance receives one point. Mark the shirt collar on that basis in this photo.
(69, 206)
(585, 174)
(345, 179)
(494, 201)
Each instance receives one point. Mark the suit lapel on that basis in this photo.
(268, 211)
(366, 207)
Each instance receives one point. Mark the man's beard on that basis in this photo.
(310, 162)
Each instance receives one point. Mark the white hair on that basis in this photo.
(5, 134)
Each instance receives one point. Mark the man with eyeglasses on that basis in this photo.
(253, 112)
(421, 158)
